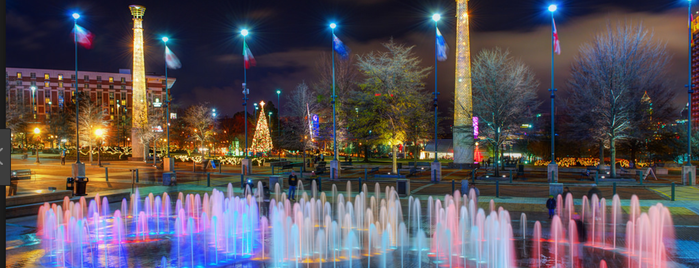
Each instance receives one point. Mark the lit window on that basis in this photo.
(19, 75)
(60, 84)
(123, 79)
(111, 79)
(46, 84)
(60, 77)
(46, 76)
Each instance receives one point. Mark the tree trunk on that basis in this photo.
(632, 161)
(366, 153)
(612, 161)
(90, 152)
(601, 154)
(394, 170)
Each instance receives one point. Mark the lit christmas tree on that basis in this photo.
(262, 141)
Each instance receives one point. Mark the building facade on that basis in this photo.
(695, 72)
(46, 91)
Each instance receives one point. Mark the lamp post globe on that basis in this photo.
(165, 39)
(333, 25)
(436, 17)
(244, 32)
(76, 16)
(553, 8)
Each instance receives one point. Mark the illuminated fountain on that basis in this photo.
(222, 229)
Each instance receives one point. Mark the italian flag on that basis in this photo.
(247, 55)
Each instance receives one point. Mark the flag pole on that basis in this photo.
(167, 102)
(553, 93)
(332, 51)
(245, 99)
(77, 99)
(435, 93)
(689, 88)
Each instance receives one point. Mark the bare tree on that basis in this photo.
(390, 96)
(610, 76)
(504, 94)
(200, 122)
(92, 117)
(346, 76)
(301, 103)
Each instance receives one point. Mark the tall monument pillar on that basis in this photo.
(139, 107)
(463, 101)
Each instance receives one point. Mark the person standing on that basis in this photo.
(551, 205)
(293, 181)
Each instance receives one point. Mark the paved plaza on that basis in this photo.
(520, 196)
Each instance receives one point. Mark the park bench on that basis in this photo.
(278, 164)
(415, 171)
(291, 166)
(320, 168)
(373, 171)
(22, 174)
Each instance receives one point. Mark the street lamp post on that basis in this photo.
(246, 162)
(436, 166)
(33, 101)
(334, 164)
(279, 149)
(78, 168)
(37, 133)
(168, 164)
(552, 167)
(99, 132)
(688, 169)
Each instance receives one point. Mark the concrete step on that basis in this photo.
(29, 209)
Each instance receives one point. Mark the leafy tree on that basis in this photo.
(504, 96)
(390, 96)
(610, 76)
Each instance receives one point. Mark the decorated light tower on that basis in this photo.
(138, 80)
(463, 101)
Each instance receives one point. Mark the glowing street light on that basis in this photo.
(553, 8)
(333, 25)
(76, 16)
(165, 39)
(279, 153)
(244, 32)
(436, 17)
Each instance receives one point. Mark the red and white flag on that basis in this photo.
(171, 60)
(82, 36)
(247, 55)
(556, 44)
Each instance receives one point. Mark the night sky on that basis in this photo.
(287, 38)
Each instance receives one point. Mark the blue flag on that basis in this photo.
(442, 47)
(340, 48)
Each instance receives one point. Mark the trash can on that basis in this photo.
(400, 165)
(12, 191)
(403, 187)
(70, 184)
(81, 186)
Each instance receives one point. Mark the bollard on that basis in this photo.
(365, 177)
(673, 192)
(220, 165)
(242, 180)
(497, 189)
(613, 189)
(133, 179)
(208, 179)
(473, 176)
(136, 175)
(106, 174)
(510, 176)
(597, 178)
(360, 185)
(318, 179)
(434, 178)
(452, 185)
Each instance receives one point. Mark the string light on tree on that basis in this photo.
(262, 141)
